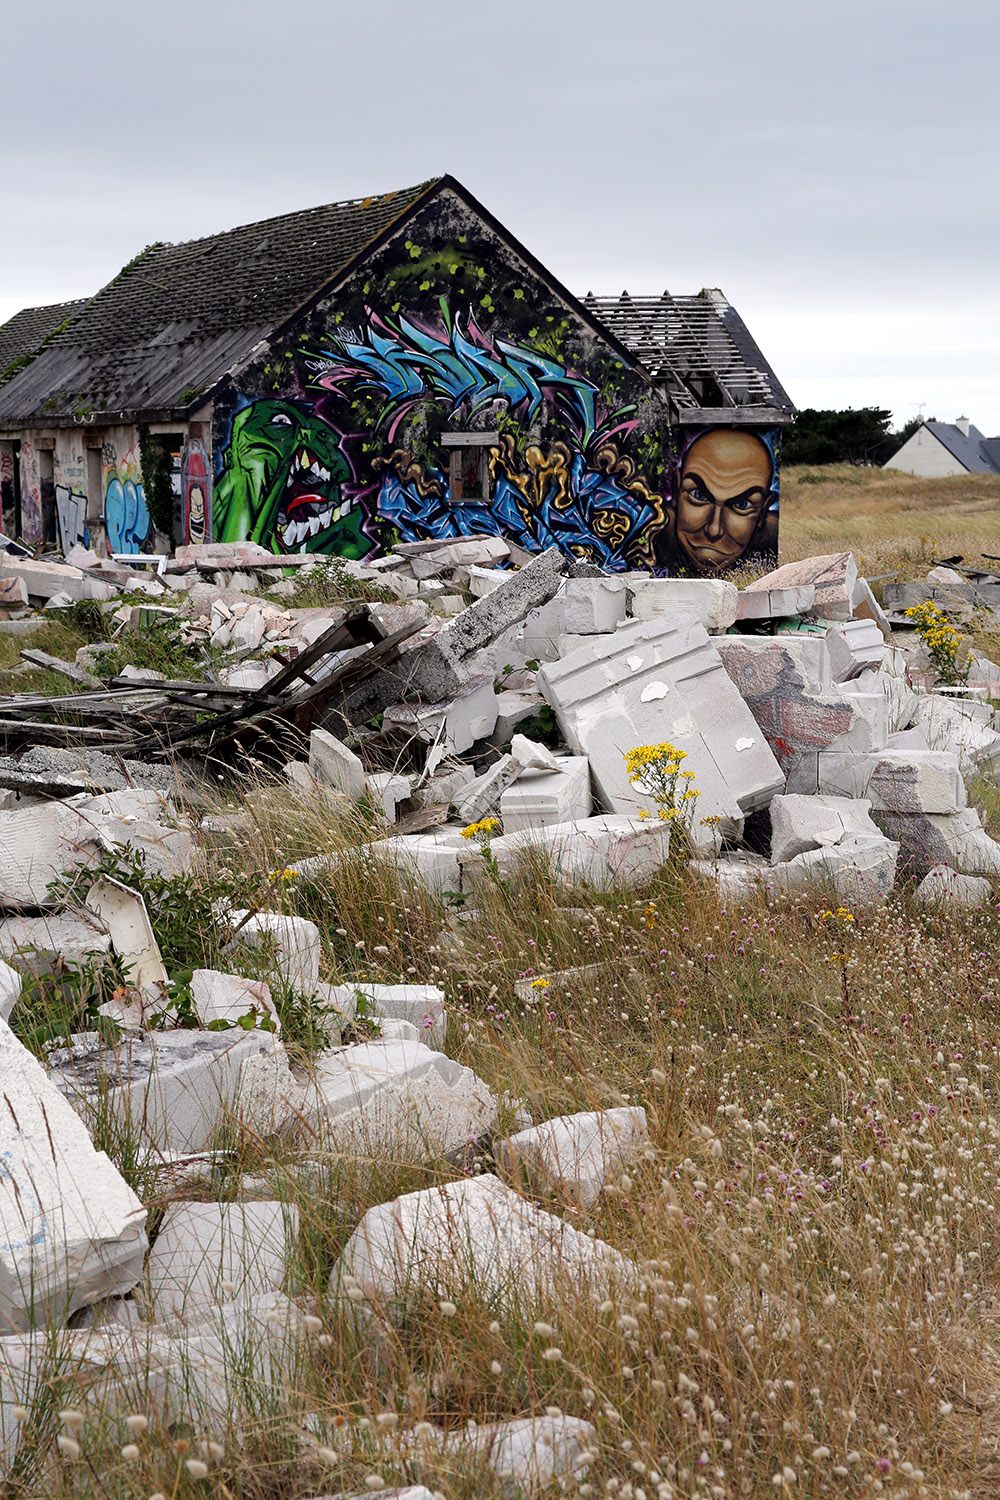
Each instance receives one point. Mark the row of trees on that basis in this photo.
(861, 436)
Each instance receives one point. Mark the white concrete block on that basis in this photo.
(71, 1229)
(603, 851)
(961, 725)
(476, 1232)
(801, 823)
(854, 645)
(775, 604)
(295, 938)
(229, 998)
(909, 781)
(530, 1455)
(205, 1254)
(173, 1090)
(421, 1004)
(482, 796)
(335, 765)
(653, 681)
(10, 990)
(578, 1154)
(593, 606)
(387, 789)
(712, 602)
(123, 914)
(860, 871)
(955, 839)
(35, 945)
(541, 798)
(943, 886)
(398, 1097)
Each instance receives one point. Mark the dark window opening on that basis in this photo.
(469, 466)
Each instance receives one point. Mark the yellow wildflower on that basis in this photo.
(540, 984)
(482, 829)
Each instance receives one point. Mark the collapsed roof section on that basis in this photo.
(700, 351)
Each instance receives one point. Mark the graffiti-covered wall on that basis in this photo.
(445, 390)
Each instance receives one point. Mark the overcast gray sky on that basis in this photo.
(831, 164)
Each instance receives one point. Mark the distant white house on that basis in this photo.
(938, 449)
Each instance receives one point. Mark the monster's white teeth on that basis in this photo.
(326, 516)
(294, 530)
(324, 474)
(312, 526)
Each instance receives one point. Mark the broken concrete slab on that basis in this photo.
(959, 724)
(713, 602)
(603, 851)
(40, 945)
(912, 781)
(45, 580)
(786, 683)
(859, 870)
(738, 875)
(335, 765)
(541, 798)
(71, 1229)
(529, 1455)
(943, 886)
(124, 917)
(576, 1154)
(401, 1097)
(477, 1233)
(388, 790)
(205, 1254)
(421, 1004)
(175, 1090)
(445, 665)
(482, 796)
(593, 606)
(229, 998)
(854, 646)
(833, 577)
(10, 990)
(800, 823)
(512, 710)
(660, 680)
(775, 604)
(954, 839)
(295, 939)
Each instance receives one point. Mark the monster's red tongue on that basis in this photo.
(307, 497)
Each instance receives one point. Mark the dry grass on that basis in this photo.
(815, 1218)
(891, 521)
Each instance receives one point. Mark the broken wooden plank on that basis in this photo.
(56, 664)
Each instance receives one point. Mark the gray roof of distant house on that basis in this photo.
(29, 331)
(173, 321)
(974, 452)
(698, 347)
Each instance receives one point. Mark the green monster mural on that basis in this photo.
(281, 485)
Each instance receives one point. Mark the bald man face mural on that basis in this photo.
(724, 489)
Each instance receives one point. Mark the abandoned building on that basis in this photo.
(392, 368)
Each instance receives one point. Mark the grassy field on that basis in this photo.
(891, 521)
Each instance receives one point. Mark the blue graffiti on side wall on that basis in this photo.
(126, 515)
(407, 364)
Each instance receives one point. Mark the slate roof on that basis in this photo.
(177, 317)
(697, 347)
(978, 454)
(28, 331)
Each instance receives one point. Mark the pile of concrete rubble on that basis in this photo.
(825, 758)
(821, 748)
